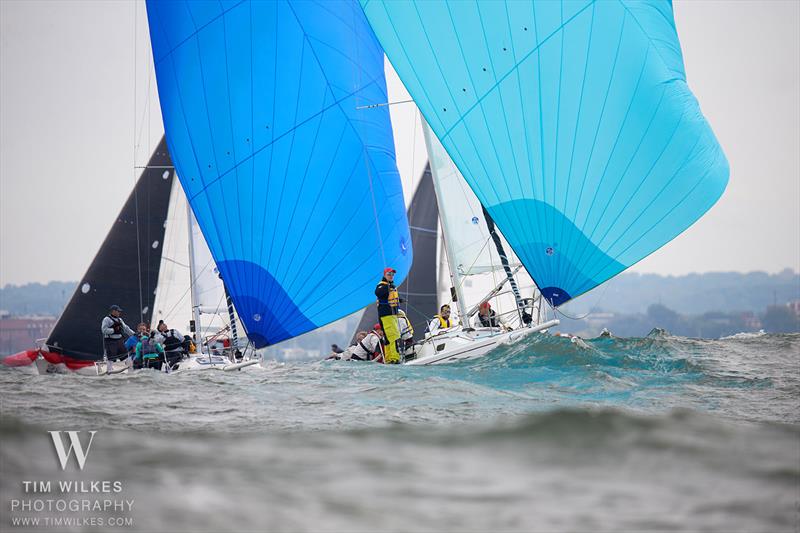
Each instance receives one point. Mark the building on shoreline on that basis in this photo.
(18, 333)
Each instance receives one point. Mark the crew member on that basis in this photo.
(131, 342)
(149, 353)
(172, 341)
(406, 330)
(114, 331)
(442, 321)
(388, 301)
(487, 318)
(368, 348)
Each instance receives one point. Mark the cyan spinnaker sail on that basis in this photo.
(294, 187)
(572, 121)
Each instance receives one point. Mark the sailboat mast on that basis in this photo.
(198, 339)
(456, 291)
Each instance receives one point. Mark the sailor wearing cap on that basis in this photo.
(487, 318)
(388, 301)
(114, 332)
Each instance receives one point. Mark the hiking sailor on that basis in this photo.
(149, 353)
(406, 331)
(442, 321)
(114, 331)
(132, 341)
(172, 341)
(388, 301)
(487, 318)
(366, 347)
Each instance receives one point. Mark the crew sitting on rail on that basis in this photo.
(149, 353)
(487, 318)
(174, 344)
(368, 347)
(133, 340)
(406, 330)
(442, 321)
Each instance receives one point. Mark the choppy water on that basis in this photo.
(655, 433)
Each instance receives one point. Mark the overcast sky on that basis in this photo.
(79, 111)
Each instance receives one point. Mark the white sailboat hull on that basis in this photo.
(102, 368)
(458, 344)
(212, 362)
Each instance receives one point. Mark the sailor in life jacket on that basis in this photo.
(388, 302)
(406, 330)
(149, 353)
(130, 344)
(487, 318)
(442, 321)
(114, 330)
(366, 348)
(173, 342)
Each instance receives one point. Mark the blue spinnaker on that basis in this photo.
(296, 190)
(572, 122)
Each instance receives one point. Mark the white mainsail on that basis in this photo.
(468, 250)
(189, 287)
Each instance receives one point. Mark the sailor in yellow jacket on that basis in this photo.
(442, 321)
(388, 301)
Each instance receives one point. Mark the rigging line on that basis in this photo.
(463, 276)
(557, 311)
(413, 195)
(373, 106)
(135, 188)
(174, 261)
(425, 230)
(192, 282)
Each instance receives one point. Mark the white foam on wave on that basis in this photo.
(745, 335)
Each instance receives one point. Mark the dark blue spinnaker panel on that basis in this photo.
(295, 189)
(572, 122)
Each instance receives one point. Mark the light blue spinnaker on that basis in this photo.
(572, 122)
(295, 189)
